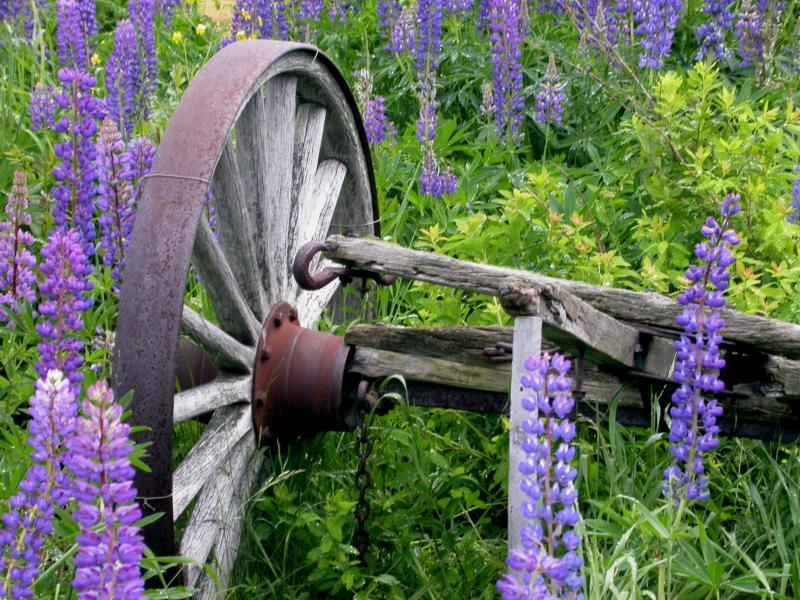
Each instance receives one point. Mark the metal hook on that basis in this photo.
(301, 270)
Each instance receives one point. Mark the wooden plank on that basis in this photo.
(226, 545)
(228, 425)
(569, 322)
(308, 129)
(236, 213)
(230, 307)
(226, 352)
(272, 225)
(224, 390)
(214, 511)
(527, 342)
(770, 336)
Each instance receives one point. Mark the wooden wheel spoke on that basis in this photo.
(227, 542)
(226, 352)
(215, 512)
(310, 304)
(274, 205)
(236, 220)
(309, 128)
(224, 390)
(230, 307)
(228, 425)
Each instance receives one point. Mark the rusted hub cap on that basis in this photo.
(297, 379)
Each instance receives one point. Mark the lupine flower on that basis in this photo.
(694, 411)
(757, 26)
(548, 564)
(110, 547)
(505, 34)
(274, 21)
(114, 197)
(63, 300)
(309, 10)
(456, 6)
(339, 10)
(404, 30)
(429, 39)
(167, 8)
(433, 181)
(123, 78)
(88, 18)
(75, 193)
(244, 21)
(73, 50)
(140, 158)
(52, 411)
(487, 99)
(42, 107)
(550, 98)
(16, 260)
(388, 11)
(22, 11)
(656, 22)
(376, 124)
(794, 215)
(712, 33)
(142, 13)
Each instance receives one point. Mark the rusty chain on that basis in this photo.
(362, 478)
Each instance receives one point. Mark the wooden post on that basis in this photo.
(527, 341)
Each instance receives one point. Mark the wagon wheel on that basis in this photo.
(273, 131)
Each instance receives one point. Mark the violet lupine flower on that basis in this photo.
(73, 50)
(548, 564)
(550, 98)
(274, 19)
(110, 547)
(505, 34)
(756, 27)
(114, 197)
(339, 10)
(140, 152)
(142, 13)
(433, 181)
(28, 522)
(75, 193)
(88, 18)
(656, 22)
(64, 294)
(16, 260)
(457, 6)
(377, 126)
(712, 33)
(42, 107)
(388, 11)
(404, 31)
(167, 8)
(794, 215)
(694, 410)
(429, 39)
(309, 10)
(123, 78)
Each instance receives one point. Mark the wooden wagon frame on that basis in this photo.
(273, 132)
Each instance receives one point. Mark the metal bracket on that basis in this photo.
(301, 269)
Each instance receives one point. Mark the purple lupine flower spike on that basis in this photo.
(114, 197)
(550, 98)
(404, 31)
(123, 78)
(712, 33)
(142, 14)
(548, 564)
(53, 411)
(167, 8)
(694, 410)
(110, 547)
(73, 49)
(375, 122)
(141, 152)
(16, 260)
(757, 26)
(506, 33)
(794, 215)
(656, 22)
(42, 107)
(75, 193)
(63, 300)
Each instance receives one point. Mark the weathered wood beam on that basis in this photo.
(774, 337)
(572, 323)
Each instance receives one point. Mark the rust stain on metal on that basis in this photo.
(297, 389)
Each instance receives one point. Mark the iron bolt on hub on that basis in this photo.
(297, 380)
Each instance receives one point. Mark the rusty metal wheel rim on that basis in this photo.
(170, 215)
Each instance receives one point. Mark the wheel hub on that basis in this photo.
(297, 380)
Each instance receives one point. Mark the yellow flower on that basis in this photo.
(190, 1)
(96, 59)
(246, 15)
(241, 35)
(177, 37)
(200, 29)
